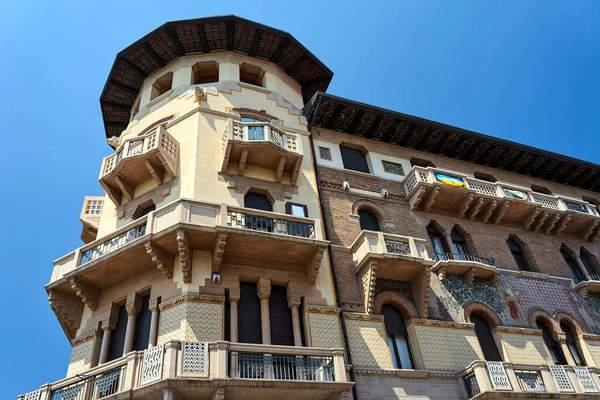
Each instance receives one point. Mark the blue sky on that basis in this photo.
(520, 70)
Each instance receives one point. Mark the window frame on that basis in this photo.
(518, 255)
(289, 206)
(352, 164)
(360, 221)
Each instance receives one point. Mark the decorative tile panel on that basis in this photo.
(194, 360)
(585, 379)
(401, 287)
(561, 378)
(325, 331)
(498, 375)
(81, 358)
(526, 349)
(594, 348)
(368, 344)
(447, 349)
(191, 321)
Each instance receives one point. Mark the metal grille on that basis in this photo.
(73, 392)
(498, 375)
(108, 383)
(267, 224)
(194, 361)
(152, 364)
(530, 381)
(281, 367)
(113, 244)
(576, 207)
(276, 137)
(561, 378)
(464, 257)
(397, 247)
(35, 395)
(471, 384)
(585, 378)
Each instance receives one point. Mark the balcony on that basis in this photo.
(200, 370)
(467, 265)
(587, 283)
(379, 255)
(445, 192)
(263, 145)
(137, 160)
(90, 217)
(492, 380)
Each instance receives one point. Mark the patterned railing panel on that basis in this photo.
(281, 367)
(561, 378)
(576, 207)
(483, 188)
(498, 375)
(113, 244)
(585, 379)
(35, 395)
(194, 360)
(152, 364)
(108, 383)
(530, 381)
(464, 257)
(471, 384)
(267, 224)
(547, 202)
(395, 247)
(73, 392)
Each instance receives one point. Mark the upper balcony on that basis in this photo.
(467, 265)
(137, 160)
(445, 192)
(587, 283)
(264, 145)
(90, 217)
(204, 371)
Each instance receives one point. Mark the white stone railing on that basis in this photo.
(263, 132)
(182, 360)
(371, 242)
(158, 139)
(419, 176)
(482, 376)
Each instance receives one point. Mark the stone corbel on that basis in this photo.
(279, 170)
(314, 263)
(540, 221)
(418, 198)
(126, 188)
(113, 193)
(469, 277)
(242, 162)
(185, 255)
(296, 170)
(476, 208)
(587, 233)
(157, 173)
(492, 205)
(68, 309)
(530, 217)
(466, 203)
(494, 280)
(583, 291)
(551, 223)
(562, 223)
(368, 277)
(442, 272)
(431, 200)
(500, 212)
(161, 257)
(88, 292)
(218, 250)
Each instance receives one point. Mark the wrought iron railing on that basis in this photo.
(261, 223)
(396, 247)
(281, 367)
(471, 384)
(108, 383)
(71, 392)
(464, 257)
(113, 244)
(530, 381)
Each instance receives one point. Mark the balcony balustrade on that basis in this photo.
(586, 283)
(263, 145)
(439, 191)
(240, 368)
(489, 379)
(137, 160)
(468, 265)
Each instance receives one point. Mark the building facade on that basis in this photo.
(260, 238)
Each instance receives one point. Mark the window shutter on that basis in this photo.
(117, 336)
(249, 322)
(141, 338)
(280, 316)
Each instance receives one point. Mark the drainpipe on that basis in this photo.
(334, 275)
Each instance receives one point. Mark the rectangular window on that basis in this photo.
(280, 315)
(249, 318)
(354, 159)
(393, 168)
(325, 153)
(296, 209)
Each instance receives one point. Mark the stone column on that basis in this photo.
(105, 343)
(582, 268)
(450, 243)
(264, 293)
(294, 303)
(129, 334)
(234, 298)
(562, 341)
(153, 326)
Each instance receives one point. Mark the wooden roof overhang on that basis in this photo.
(359, 119)
(199, 36)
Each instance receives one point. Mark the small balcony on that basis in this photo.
(467, 265)
(200, 370)
(263, 145)
(588, 283)
(493, 380)
(90, 217)
(445, 192)
(138, 160)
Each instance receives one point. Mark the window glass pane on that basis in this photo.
(485, 338)
(587, 264)
(297, 210)
(368, 221)
(553, 346)
(354, 159)
(403, 352)
(395, 357)
(246, 119)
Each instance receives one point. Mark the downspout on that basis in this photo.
(334, 275)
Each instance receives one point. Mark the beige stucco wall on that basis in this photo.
(191, 321)
(368, 343)
(525, 349)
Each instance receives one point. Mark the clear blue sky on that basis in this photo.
(521, 70)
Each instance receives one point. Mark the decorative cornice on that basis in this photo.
(193, 298)
(440, 324)
(323, 309)
(592, 337)
(84, 338)
(404, 373)
(519, 331)
(363, 317)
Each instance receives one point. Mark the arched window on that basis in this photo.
(438, 242)
(460, 245)
(587, 263)
(368, 221)
(555, 351)
(573, 267)
(397, 337)
(572, 344)
(518, 255)
(486, 338)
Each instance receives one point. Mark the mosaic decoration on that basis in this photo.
(325, 331)
(325, 153)
(401, 287)
(392, 168)
(512, 300)
(515, 194)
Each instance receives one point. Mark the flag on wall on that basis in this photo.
(449, 180)
(515, 194)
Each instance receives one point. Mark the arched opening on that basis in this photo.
(518, 255)
(586, 259)
(421, 162)
(553, 347)
(252, 74)
(205, 72)
(395, 325)
(257, 201)
(486, 338)
(571, 263)
(572, 344)
(438, 242)
(460, 244)
(368, 221)
(485, 177)
(162, 85)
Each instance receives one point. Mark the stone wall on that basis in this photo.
(421, 387)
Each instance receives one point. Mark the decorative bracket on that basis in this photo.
(88, 292)
(126, 188)
(314, 263)
(161, 257)
(156, 173)
(280, 166)
(431, 200)
(185, 255)
(243, 159)
(218, 250)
